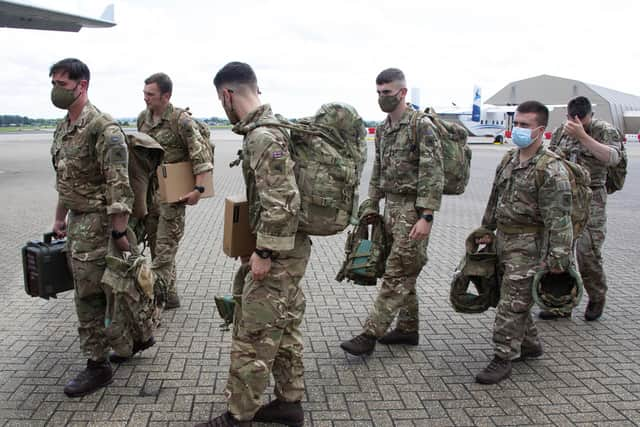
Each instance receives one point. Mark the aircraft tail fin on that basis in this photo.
(108, 14)
(477, 101)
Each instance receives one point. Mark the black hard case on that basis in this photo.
(46, 271)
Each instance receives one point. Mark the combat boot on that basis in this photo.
(529, 352)
(96, 375)
(550, 315)
(173, 301)
(497, 370)
(359, 345)
(594, 310)
(137, 348)
(397, 336)
(225, 420)
(281, 412)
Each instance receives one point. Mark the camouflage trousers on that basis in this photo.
(589, 248)
(87, 240)
(518, 257)
(266, 332)
(406, 258)
(165, 228)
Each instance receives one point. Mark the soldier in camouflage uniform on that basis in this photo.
(178, 134)
(266, 327)
(94, 202)
(534, 230)
(596, 145)
(409, 175)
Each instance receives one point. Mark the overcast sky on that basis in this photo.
(306, 53)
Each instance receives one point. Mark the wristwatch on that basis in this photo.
(118, 234)
(427, 217)
(199, 188)
(264, 253)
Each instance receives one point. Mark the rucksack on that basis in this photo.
(365, 254)
(145, 155)
(203, 128)
(617, 174)
(579, 178)
(329, 151)
(456, 154)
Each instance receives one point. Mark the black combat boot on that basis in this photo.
(594, 310)
(497, 370)
(397, 336)
(360, 344)
(137, 348)
(95, 376)
(550, 315)
(173, 301)
(529, 352)
(281, 412)
(225, 420)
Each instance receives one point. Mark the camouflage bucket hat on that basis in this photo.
(557, 293)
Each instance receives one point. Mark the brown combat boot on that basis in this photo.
(497, 370)
(359, 345)
(95, 376)
(550, 315)
(594, 310)
(137, 348)
(173, 301)
(527, 352)
(225, 420)
(397, 336)
(281, 412)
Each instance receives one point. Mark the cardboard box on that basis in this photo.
(176, 180)
(237, 238)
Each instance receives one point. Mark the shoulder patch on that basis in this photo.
(277, 154)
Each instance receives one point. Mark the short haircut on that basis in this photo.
(162, 80)
(541, 111)
(236, 73)
(390, 75)
(76, 69)
(579, 106)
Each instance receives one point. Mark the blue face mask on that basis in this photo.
(521, 137)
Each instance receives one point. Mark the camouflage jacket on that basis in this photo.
(91, 165)
(404, 166)
(187, 145)
(272, 192)
(571, 149)
(516, 202)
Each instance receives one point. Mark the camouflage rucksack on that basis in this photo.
(145, 154)
(456, 154)
(478, 266)
(617, 174)
(329, 151)
(203, 128)
(580, 179)
(365, 254)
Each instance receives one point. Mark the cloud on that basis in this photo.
(307, 53)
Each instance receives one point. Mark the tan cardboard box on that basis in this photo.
(237, 239)
(176, 180)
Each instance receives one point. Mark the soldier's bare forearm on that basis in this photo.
(61, 212)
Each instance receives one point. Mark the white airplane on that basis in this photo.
(18, 15)
(486, 120)
(482, 120)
